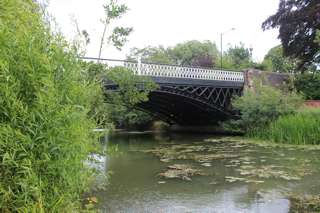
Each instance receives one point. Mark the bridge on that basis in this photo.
(186, 95)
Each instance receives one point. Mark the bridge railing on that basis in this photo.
(173, 71)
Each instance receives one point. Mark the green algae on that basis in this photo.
(181, 171)
(234, 155)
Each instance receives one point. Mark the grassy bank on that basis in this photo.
(302, 127)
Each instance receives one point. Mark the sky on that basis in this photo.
(168, 22)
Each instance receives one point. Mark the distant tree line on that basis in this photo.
(196, 53)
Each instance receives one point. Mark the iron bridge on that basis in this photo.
(186, 95)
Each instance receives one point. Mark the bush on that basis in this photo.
(118, 109)
(309, 85)
(45, 133)
(122, 104)
(132, 88)
(262, 105)
(300, 128)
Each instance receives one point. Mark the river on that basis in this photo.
(203, 173)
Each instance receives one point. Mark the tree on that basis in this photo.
(275, 61)
(117, 109)
(119, 35)
(190, 53)
(309, 85)
(121, 106)
(151, 54)
(298, 21)
(129, 93)
(195, 53)
(237, 57)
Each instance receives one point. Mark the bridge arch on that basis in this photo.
(186, 95)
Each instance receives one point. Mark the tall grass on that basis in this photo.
(302, 127)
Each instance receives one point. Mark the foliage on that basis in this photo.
(151, 54)
(262, 105)
(237, 58)
(99, 110)
(195, 53)
(128, 117)
(275, 61)
(119, 35)
(93, 72)
(190, 53)
(132, 88)
(45, 133)
(317, 40)
(298, 22)
(300, 128)
(309, 85)
(111, 109)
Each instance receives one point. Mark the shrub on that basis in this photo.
(132, 89)
(309, 85)
(262, 105)
(45, 133)
(118, 109)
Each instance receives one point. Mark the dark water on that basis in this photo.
(255, 179)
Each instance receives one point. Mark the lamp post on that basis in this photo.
(221, 34)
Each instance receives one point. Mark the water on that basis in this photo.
(250, 179)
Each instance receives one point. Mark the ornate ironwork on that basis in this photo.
(172, 71)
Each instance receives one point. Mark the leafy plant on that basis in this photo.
(237, 57)
(262, 105)
(275, 61)
(119, 35)
(309, 85)
(132, 89)
(45, 132)
(117, 109)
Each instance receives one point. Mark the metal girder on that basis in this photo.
(189, 104)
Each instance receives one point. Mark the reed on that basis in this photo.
(302, 127)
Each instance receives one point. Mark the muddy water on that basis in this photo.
(194, 173)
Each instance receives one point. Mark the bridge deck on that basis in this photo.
(175, 74)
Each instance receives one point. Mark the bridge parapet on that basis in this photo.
(173, 71)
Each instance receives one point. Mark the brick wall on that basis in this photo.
(278, 80)
(312, 103)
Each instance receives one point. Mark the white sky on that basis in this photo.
(168, 22)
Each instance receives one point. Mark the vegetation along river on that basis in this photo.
(196, 173)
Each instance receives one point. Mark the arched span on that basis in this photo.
(189, 104)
